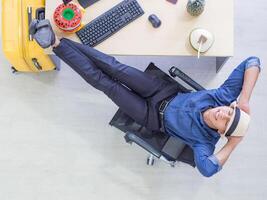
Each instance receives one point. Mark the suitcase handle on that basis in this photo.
(40, 13)
(37, 64)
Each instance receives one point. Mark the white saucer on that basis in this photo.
(195, 36)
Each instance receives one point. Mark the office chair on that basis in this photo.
(160, 145)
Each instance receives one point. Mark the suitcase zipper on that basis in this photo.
(35, 62)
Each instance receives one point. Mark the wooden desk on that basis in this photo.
(140, 38)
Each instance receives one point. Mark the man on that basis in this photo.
(198, 118)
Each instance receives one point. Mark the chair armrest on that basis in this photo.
(131, 137)
(174, 71)
(173, 147)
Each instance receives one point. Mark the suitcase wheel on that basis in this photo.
(13, 69)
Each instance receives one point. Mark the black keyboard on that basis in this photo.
(110, 22)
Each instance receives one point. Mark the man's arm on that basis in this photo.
(227, 149)
(243, 76)
(206, 162)
(250, 78)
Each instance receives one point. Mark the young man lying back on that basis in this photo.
(198, 118)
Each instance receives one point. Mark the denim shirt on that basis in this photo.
(183, 117)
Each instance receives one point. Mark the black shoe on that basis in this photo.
(42, 32)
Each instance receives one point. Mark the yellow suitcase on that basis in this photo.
(20, 49)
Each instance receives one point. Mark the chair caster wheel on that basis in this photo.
(150, 160)
(173, 164)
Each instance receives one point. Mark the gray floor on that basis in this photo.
(55, 142)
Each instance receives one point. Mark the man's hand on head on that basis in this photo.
(244, 105)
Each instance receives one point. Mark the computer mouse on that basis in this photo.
(154, 20)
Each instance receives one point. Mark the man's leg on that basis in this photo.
(142, 83)
(128, 101)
